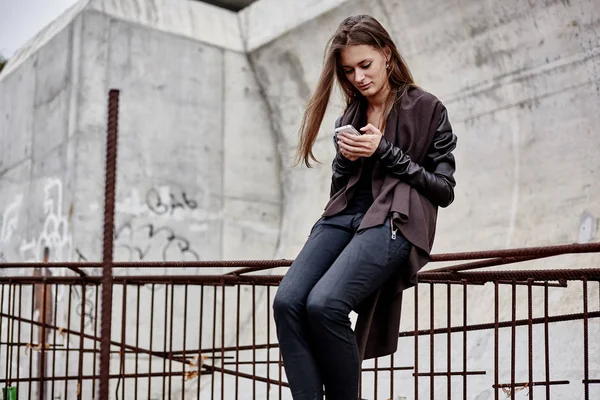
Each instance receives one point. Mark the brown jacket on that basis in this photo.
(412, 177)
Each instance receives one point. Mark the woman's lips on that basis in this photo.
(364, 87)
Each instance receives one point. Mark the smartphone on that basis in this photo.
(348, 129)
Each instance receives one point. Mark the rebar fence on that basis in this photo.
(469, 331)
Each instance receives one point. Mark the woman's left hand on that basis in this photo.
(360, 146)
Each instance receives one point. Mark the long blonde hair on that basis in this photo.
(356, 30)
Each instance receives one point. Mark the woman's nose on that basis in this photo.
(359, 76)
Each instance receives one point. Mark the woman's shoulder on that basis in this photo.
(420, 96)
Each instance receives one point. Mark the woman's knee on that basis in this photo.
(322, 308)
(284, 304)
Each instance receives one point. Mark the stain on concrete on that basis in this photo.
(588, 226)
(484, 395)
(294, 66)
(487, 54)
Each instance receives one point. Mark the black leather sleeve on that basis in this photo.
(342, 168)
(435, 178)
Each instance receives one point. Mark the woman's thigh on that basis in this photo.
(327, 240)
(371, 258)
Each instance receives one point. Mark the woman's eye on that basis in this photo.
(348, 71)
(366, 65)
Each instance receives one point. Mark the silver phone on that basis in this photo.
(348, 129)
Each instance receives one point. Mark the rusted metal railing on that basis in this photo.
(473, 333)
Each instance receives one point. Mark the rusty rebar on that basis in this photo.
(107, 243)
(520, 252)
(81, 341)
(496, 339)
(449, 339)
(431, 340)
(530, 335)
(245, 266)
(546, 342)
(416, 336)
(465, 340)
(513, 341)
(586, 365)
(490, 276)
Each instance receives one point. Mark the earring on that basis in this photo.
(387, 66)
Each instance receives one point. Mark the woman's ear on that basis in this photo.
(387, 53)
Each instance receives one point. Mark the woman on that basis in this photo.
(378, 227)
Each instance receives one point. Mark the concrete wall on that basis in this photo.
(197, 166)
(207, 133)
(521, 83)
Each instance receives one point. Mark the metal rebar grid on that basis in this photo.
(471, 329)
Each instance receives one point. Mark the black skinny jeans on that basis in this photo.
(335, 271)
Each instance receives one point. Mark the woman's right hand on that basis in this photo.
(348, 155)
(343, 151)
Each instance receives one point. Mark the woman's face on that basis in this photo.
(365, 68)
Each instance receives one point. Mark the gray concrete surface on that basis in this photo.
(207, 132)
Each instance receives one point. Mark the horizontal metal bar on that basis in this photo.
(155, 264)
(97, 377)
(459, 373)
(520, 252)
(521, 275)
(147, 279)
(535, 252)
(380, 369)
(521, 384)
(503, 324)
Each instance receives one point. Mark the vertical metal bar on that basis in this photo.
(237, 344)
(222, 340)
(431, 342)
(183, 376)
(496, 340)
(2, 320)
(391, 376)
(416, 373)
(68, 341)
(360, 379)
(97, 291)
(449, 337)
(8, 330)
(546, 341)
(150, 345)
(123, 338)
(30, 335)
(164, 368)
(530, 334)
(19, 333)
(253, 341)
(137, 341)
(513, 340)
(42, 370)
(171, 334)
(280, 376)
(81, 340)
(107, 247)
(200, 359)
(11, 340)
(375, 378)
(54, 338)
(214, 342)
(586, 365)
(268, 341)
(464, 339)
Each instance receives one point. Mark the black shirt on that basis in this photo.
(362, 197)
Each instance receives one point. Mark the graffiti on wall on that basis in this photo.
(55, 234)
(10, 219)
(151, 225)
(134, 243)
